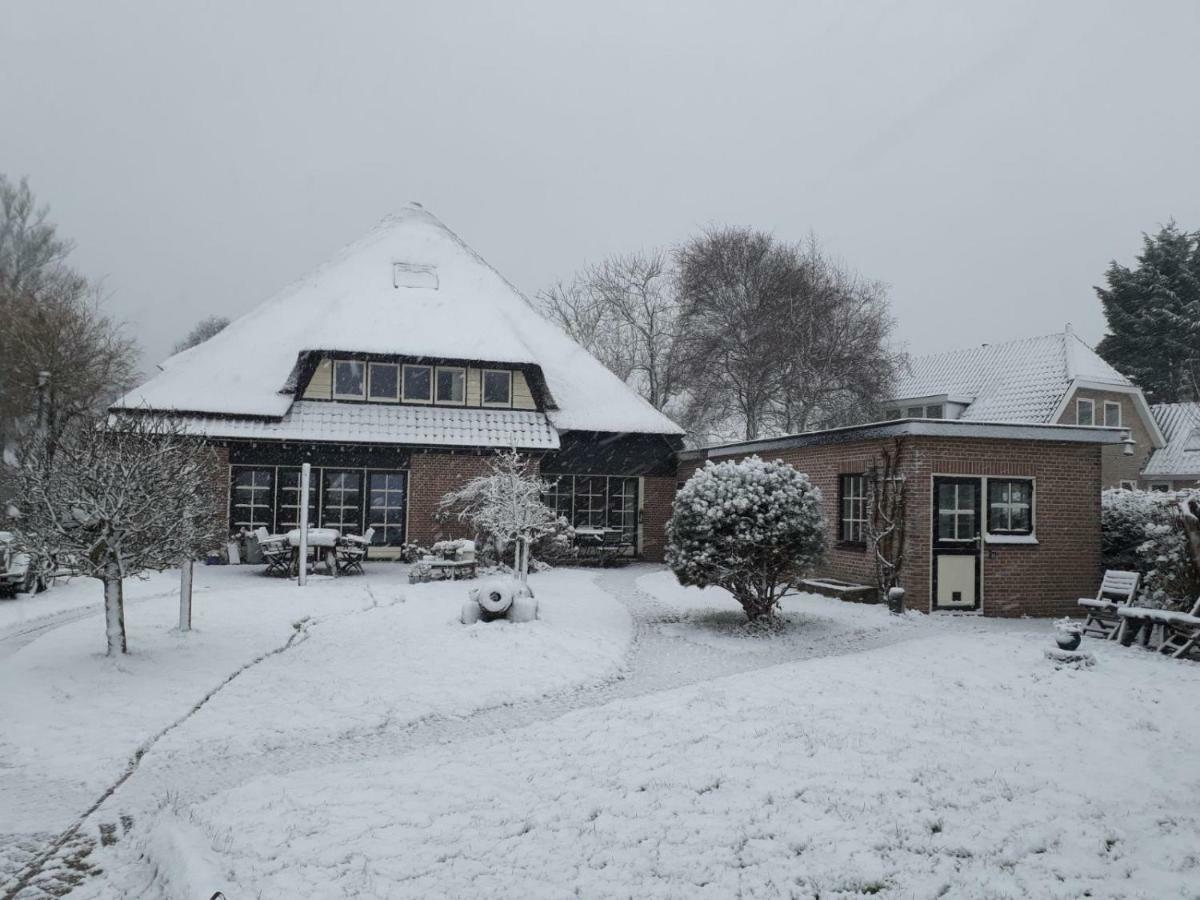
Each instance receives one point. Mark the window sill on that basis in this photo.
(1011, 539)
(852, 545)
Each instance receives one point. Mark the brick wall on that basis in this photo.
(1018, 579)
(658, 493)
(432, 476)
(220, 498)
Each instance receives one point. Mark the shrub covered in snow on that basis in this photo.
(749, 526)
(1141, 531)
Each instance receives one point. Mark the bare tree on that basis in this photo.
(59, 352)
(887, 502)
(625, 311)
(776, 337)
(119, 498)
(203, 330)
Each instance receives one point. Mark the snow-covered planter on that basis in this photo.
(499, 598)
(458, 548)
(1068, 634)
(749, 526)
(1142, 531)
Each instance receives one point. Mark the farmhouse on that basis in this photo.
(396, 369)
(1001, 518)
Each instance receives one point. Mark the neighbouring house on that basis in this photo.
(1001, 518)
(1051, 379)
(396, 369)
(1177, 464)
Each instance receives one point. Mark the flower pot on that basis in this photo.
(895, 600)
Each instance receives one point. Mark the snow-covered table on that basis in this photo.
(321, 543)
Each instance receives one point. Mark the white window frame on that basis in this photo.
(939, 408)
(371, 367)
(852, 508)
(1091, 406)
(1127, 485)
(463, 375)
(483, 375)
(1164, 486)
(432, 383)
(1004, 537)
(334, 385)
(1107, 405)
(914, 412)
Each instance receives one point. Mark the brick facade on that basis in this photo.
(1042, 579)
(431, 476)
(658, 494)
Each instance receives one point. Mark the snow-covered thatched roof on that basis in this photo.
(409, 287)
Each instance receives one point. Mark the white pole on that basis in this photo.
(185, 596)
(305, 471)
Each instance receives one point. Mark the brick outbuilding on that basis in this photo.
(1002, 519)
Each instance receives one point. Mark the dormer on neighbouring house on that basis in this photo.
(1050, 379)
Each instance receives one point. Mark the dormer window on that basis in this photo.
(384, 382)
(451, 385)
(418, 384)
(349, 380)
(497, 387)
(1085, 412)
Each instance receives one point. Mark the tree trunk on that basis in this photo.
(757, 606)
(114, 608)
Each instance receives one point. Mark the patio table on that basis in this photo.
(321, 543)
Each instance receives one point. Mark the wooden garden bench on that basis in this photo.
(1180, 631)
(1117, 590)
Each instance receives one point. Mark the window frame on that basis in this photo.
(371, 367)
(914, 412)
(1163, 487)
(940, 409)
(847, 523)
(563, 496)
(1080, 403)
(462, 372)
(483, 400)
(1107, 405)
(989, 503)
(1127, 485)
(404, 397)
(334, 384)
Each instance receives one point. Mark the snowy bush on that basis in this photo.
(751, 527)
(1142, 531)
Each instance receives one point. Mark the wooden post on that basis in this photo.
(185, 596)
(305, 473)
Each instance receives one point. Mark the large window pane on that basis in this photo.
(252, 499)
(418, 384)
(348, 379)
(497, 388)
(385, 381)
(341, 500)
(387, 497)
(1010, 506)
(451, 385)
(622, 507)
(288, 516)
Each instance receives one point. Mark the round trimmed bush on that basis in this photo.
(749, 526)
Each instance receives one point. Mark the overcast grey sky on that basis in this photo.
(985, 160)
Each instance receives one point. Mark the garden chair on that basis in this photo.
(276, 553)
(1181, 633)
(1116, 591)
(352, 550)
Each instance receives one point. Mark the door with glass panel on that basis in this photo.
(956, 533)
(387, 499)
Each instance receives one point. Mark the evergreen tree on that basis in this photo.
(1153, 313)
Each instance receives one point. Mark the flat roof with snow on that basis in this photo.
(947, 428)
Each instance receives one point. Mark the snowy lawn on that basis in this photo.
(958, 764)
(712, 617)
(375, 651)
(69, 595)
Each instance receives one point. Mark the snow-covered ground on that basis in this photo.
(848, 754)
(366, 652)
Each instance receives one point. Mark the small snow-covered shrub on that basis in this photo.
(749, 526)
(1141, 531)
